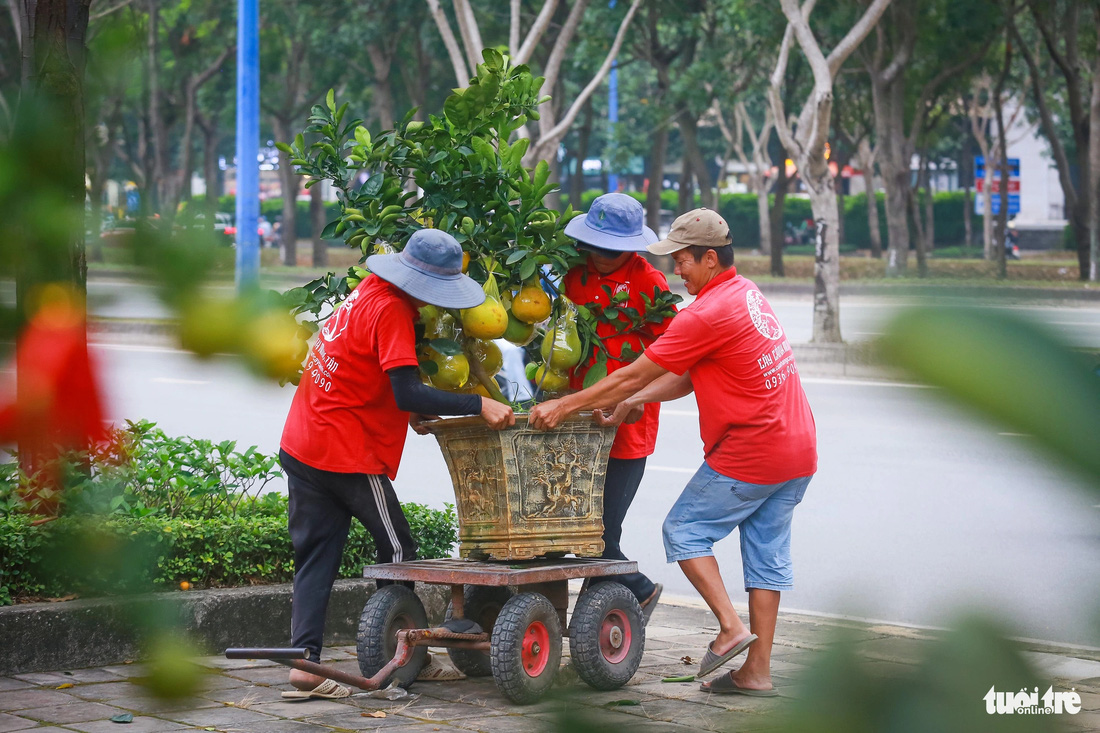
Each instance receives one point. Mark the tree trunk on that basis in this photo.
(763, 218)
(288, 229)
(1094, 167)
(893, 158)
(210, 171)
(839, 187)
(689, 126)
(966, 172)
(160, 179)
(317, 225)
(576, 181)
(929, 214)
(826, 260)
(872, 213)
(775, 220)
(553, 199)
(987, 209)
(915, 213)
(656, 178)
(686, 199)
(897, 219)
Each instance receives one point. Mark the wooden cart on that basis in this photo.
(505, 619)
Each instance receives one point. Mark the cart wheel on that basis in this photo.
(390, 609)
(606, 636)
(482, 605)
(526, 647)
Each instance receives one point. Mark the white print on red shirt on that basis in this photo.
(779, 363)
(622, 288)
(762, 317)
(338, 321)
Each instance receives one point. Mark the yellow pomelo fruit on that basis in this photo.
(531, 304)
(486, 321)
(550, 380)
(274, 344)
(210, 326)
(488, 354)
(452, 372)
(561, 348)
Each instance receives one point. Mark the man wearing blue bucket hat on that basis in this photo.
(345, 433)
(612, 233)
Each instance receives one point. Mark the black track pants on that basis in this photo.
(322, 504)
(623, 477)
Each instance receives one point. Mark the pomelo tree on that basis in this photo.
(463, 172)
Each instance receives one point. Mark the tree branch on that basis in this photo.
(513, 28)
(855, 35)
(104, 13)
(542, 21)
(462, 75)
(561, 44)
(1049, 128)
(554, 134)
(471, 34)
(782, 124)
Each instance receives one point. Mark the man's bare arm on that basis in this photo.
(666, 387)
(610, 390)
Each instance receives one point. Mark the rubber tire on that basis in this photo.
(378, 626)
(592, 607)
(482, 604)
(506, 654)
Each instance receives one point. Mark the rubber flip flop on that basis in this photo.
(725, 685)
(650, 603)
(712, 661)
(327, 690)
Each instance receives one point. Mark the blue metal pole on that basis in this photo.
(248, 144)
(613, 114)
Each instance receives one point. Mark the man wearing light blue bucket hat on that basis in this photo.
(612, 233)
(343, 439)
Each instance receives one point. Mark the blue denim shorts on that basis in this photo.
(712, 505)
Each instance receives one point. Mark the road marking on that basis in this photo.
(169, 380)
(671, 469)
(1015, 435)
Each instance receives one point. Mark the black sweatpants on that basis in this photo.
(624, 475)
(322, 504)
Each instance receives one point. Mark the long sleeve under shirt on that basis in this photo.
(414, 396)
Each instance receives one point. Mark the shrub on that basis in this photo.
(94, 556)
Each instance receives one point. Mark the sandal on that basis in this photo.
(712, 661)
(327, 690)
(726, 685)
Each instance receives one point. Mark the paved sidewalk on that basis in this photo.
(244, 696)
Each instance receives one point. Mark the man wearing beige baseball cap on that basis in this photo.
(759, 439)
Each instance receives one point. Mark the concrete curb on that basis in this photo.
(100, 631)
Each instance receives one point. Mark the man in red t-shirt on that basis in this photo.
(759, 439)
(343, 438)
(613, 232)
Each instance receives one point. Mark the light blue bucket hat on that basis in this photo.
(430, 269)
(615, 222)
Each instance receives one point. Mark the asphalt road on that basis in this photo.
(862, 318)
(918, 513)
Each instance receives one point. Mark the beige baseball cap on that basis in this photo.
(700, 227)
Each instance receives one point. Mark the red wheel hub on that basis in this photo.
(615, 636)
(536, 649)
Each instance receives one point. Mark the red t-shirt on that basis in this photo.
(754, 418)
(344, 417)
(585, 285)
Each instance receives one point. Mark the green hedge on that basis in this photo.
(96, 555)
(740, 210)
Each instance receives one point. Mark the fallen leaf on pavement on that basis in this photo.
(123, 718)
(687, 660)
(375, 714)
(65, 686)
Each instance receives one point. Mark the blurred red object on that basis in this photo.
(58, 406)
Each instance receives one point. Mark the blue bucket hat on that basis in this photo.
(615, 222)
(430, 269)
